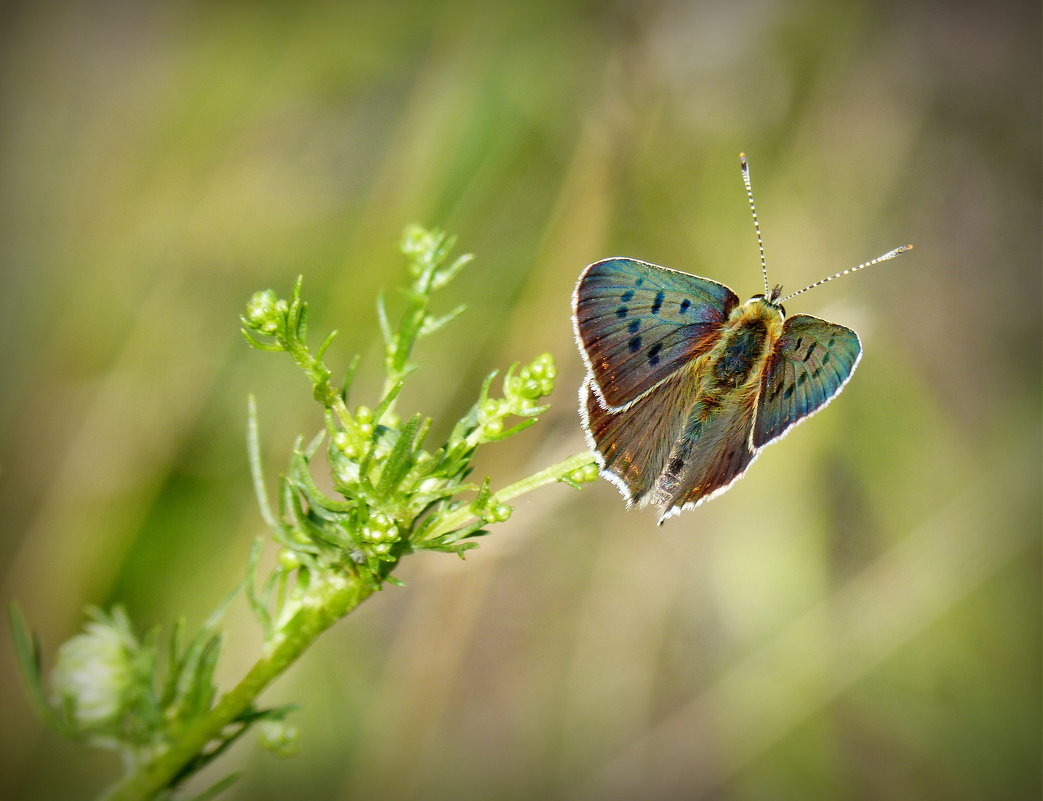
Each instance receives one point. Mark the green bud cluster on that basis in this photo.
(521, 394)
(264, 312)
(582, 475)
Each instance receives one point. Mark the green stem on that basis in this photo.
(548, 475)
(326, 602)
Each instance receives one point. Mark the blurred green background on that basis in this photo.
(858, 618)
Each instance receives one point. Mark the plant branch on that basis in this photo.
(324, 604)
(556, 472)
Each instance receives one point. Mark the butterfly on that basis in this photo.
(685, 384)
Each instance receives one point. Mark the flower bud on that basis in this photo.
(94, 674)
(280, 737)
(262, 311)
(499, 513)
(585, 474)
(288, 559)
(490, 408)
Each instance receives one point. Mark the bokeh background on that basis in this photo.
(858, 618)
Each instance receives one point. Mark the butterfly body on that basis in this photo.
(685, 384)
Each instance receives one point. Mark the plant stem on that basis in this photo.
(325, 603)
(331, 597)
(548, 475)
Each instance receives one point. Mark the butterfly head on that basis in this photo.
(771, 298)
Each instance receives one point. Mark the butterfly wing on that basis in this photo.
(712, 451)
(808, 365)
(632, 445)
(637, 323)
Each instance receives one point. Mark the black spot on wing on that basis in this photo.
(811, 349)
(638, 282)
(627, 296)
(653, 354)
(789, 391)
(622, 312)
(685, 304)
(657, 304)
(634, 344)
(634, 326)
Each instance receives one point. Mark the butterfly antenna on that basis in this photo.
(756, 222)
(891, 254)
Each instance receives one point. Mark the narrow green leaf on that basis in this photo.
(483, 393)
(253, 450)
(203, 689)
(386, 401)
(312, 448)
(453, 536)
(295, 322)
(458, 548)
(257, 605)
(302, 479)
(148, 705)
(382, 318)
(510, 432)
(253, 342)
(349, 376)
(398, 461)
(325, 345)
(265, 595)
(218, 787)
(421, 434)
(328, 531)
(482, 498)
(432, 324)
(27, 651)
(447, 274)
(173, 662)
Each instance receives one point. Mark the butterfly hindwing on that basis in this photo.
(809, 364)
(637, 323)
(712, 451)
(632, 445)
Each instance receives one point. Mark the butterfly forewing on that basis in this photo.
(637, 323)
(809, 364)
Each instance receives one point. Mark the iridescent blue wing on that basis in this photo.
(809, 364)
(632, 445)
(712, 451)
(637, 323)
